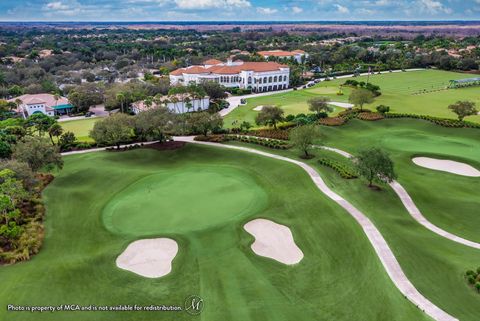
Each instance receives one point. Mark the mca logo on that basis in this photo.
(194, 305)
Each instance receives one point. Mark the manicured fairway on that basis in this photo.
(340, 277)
(434, 264)
(81, 128)
(400, 91)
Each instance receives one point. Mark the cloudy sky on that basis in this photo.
(208, 10)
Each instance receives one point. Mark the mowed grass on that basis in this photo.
(340, 277)
(400, 91)
(435, 265)
(81, 128)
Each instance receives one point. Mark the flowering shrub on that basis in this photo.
(341, 169)
(370, 116)
(332, 121)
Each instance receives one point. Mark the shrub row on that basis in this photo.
(266, 142)
(271, 133)
(332, 121)
(210, 138)
(341, 169)
(446, 122)
(370, 116)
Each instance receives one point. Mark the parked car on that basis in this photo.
(89, 114)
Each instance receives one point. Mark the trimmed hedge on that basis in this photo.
(266, 142)
(341, 169)
(446, 122)
(271, 133)
(332, 121)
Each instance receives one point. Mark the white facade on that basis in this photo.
(181, 105)
(31, 109)
(257, 76)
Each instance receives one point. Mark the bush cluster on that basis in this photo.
(473, 278)
(341, 169)
(210, 138)
(446, 122)
(239, 91)
(361, 84)
(125, 148)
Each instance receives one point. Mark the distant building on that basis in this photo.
(257, 76)
(179, 104)
(42, 103)
(298, 55)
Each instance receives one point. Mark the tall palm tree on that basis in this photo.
(19, 102)
(55, 130)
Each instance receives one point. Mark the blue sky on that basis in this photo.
(194, 10)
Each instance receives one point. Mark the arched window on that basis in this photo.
(264, 79)
(270, 79)
(249, 80)
(285, 78)
(275, 79)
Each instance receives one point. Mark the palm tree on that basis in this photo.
(55, 130)
(19, 102)
(56, 97)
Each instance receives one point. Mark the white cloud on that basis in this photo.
(205, 4)
(364, 11)
(433, 6)
(341, 9)
(264, 10)
(57, 5)
(297, 10)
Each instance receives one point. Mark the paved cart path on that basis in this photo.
(413, 210)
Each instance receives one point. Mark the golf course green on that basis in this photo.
(418, 92)
(163, 203)
(339, 278)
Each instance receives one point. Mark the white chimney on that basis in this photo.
(229, 62)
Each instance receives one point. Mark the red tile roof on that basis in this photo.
(212, 62)
(230, 70)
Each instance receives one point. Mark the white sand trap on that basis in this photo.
(339, 104)
(258, 108)
(447, 166)
(274, 241)
(151, 258)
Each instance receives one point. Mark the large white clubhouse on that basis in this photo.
(257, 76)
(298, 55)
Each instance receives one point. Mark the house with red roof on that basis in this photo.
(298, 55)
(47, 104)
(257, 76)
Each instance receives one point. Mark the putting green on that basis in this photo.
(187, 200)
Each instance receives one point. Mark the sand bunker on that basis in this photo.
(447, 166)
(258, 108)
(339, 104)
(151, 258)
(274, 241)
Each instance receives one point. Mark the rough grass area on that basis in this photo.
(403, 92)
(340, 277)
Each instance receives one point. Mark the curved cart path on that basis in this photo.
(381, 247)
(413, 209)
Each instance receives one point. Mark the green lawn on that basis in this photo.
(398, 91)
(434, 264)
(340, 277)
(81, 128)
